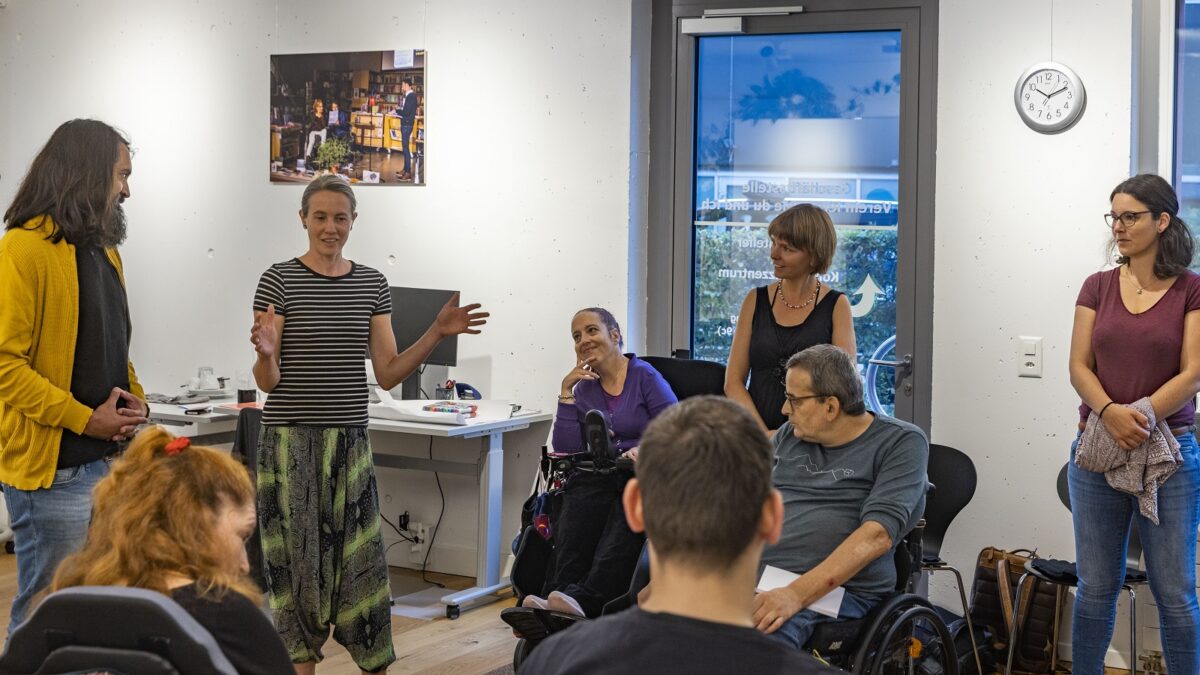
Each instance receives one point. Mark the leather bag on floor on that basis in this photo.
(1035, 622)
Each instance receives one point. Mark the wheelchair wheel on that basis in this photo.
(916, 640)
(520, 653)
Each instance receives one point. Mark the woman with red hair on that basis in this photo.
(174, 518)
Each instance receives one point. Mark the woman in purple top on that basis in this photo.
(595, 551)
(1137, 335)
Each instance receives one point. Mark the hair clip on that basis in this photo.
(176, 445)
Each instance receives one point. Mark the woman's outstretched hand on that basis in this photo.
(455, 320)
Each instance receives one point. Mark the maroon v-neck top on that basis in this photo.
(1137, 353)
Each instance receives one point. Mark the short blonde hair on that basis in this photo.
(810, 229)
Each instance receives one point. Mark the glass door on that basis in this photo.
(813, 109)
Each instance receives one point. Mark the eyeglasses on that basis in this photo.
(1128, 219)
(794, 401)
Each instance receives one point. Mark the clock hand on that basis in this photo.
(1041, 92)
(1056, 93)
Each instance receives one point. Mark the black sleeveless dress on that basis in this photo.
(771, 345)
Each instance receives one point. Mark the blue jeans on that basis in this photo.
(1101, 517)
(406, 129)
(797, 630)
(48, 525)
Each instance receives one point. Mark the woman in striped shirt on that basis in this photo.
(317, 502)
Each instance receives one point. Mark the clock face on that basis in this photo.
(1049, 97)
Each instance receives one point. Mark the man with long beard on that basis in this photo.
(68, 392)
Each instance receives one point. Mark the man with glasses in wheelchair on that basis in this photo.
(853, 484)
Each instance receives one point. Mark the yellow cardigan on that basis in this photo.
(39, 323)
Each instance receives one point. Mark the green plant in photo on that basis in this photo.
(332, 152)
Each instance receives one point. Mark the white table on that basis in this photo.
(487, 469)
(208, 428)
(489, 477)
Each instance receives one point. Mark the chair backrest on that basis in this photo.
(127, 629)
(245, 450)
(1133, 552)
(245, 438)
(954, 478)
(690, 377)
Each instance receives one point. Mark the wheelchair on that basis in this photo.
(904, 633)
(105, 629)
(534, 551)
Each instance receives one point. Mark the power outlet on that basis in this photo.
(421, 534)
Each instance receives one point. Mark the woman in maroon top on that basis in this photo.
(1136, 336)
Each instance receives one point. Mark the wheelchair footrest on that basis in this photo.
(536, 625)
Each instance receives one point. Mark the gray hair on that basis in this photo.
(833, 373)
(331, 183)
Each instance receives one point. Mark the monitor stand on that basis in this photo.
(410, 389)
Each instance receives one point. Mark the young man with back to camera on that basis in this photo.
(703, 496)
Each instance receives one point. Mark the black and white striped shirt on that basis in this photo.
(322, 377)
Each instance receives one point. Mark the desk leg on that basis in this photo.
(487, 566)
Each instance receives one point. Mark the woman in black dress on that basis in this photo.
(790, 315)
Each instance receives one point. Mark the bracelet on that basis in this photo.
(1101, 415)
(566, 399)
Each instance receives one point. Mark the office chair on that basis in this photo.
(129, 630)
(689, 377)
(245, 450)
(953, 474)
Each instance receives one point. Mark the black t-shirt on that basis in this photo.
(637, 641)
(242, 631)
(101, 349)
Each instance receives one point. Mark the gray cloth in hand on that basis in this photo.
(1139, 471)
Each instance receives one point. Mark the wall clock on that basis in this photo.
(1049, 97)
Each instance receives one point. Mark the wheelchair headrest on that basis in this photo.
(113, 620)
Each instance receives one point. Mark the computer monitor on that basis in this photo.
(413, 311)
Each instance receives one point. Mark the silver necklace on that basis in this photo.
(1132, 280)
(806, 303)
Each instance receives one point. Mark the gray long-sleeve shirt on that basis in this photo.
(829, 492)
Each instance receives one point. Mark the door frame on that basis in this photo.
(672, 103)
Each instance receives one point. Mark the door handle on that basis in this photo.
(903, 366)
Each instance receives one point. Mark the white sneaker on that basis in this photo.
(561, 602)
(535, 602)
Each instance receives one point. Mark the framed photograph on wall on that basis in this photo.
(360, 115)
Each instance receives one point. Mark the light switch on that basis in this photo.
(1029, 356)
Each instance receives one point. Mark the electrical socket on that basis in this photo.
(421, 535)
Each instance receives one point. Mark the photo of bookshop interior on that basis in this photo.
(364, 108)
(720, 336)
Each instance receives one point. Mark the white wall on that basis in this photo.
(526, 208)
(1018, 228)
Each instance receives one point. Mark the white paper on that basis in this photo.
(829, 605)
(388, 408)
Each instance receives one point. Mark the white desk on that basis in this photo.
(208, 428)
(489, 477)
(487, 470)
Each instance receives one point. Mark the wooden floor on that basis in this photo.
(476, 643)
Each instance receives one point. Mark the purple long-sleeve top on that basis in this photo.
(645, 395)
